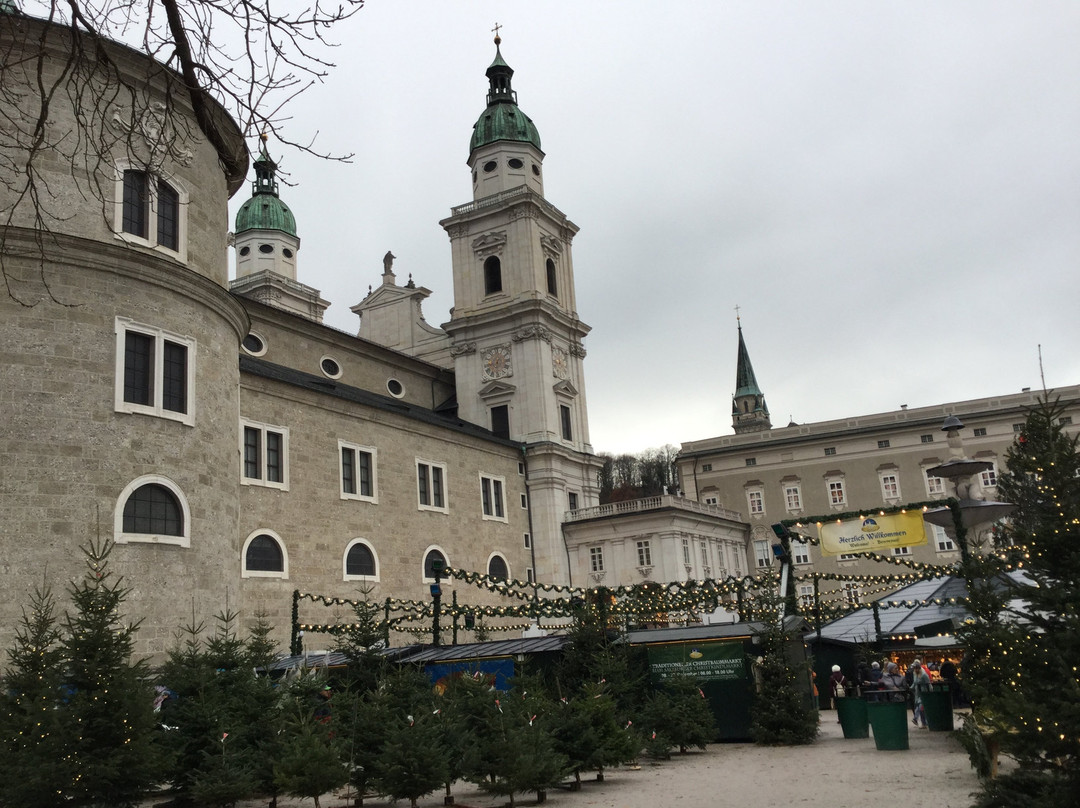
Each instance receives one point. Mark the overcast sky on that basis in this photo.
(890, 192)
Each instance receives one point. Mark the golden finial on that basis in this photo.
(498, 39)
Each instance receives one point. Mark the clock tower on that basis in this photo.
(516, 340)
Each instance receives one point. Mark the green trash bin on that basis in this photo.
(889, 722)
(938, 706)
(853, 719)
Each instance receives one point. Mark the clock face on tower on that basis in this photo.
(560, 365)
(497, 362)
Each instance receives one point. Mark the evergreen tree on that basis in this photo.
(361, 644)
(30, 746)
(783, 712)
(1024, 639)
(107, 723)
(310, 762)
(413, 761)
(677, 715)
(587, 731)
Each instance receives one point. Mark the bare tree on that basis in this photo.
(223, 64)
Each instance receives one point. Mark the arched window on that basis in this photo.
(361, 563)
(497, 567)
(492, 275)
(152, 509)
(264, 555)
(552, 280)
(433, 555)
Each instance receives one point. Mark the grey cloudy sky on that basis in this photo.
(889, 191)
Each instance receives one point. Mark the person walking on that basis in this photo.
(837, 687)
(920, 684)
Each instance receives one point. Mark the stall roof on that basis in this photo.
(719, 631)
(484, 650)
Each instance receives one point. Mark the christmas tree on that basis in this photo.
(413, 761)
(1024, 638)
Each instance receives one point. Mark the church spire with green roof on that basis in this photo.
(749, 412)
(265, 210)
(503, 118)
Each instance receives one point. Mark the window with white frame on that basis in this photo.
(988, 478)
(934, 485)
(800, 552)
(852, 595)
(644, 553)
(806, 596)
(705, 554)
(435, 556)
(712, 499)
(265, 452)
(762, 554)
(155, 372)
(847, 557)
(942, 542)
(596, 559)
(360, 562)
(793, 496)
(837, 494)
(151, 211)
(154, 510)
(264, 556)
(526, 540)
(755, 501)
(492, 497)
(357, 466)
(890, 485)
(901, 551)
(524, 502)
(979, 432)
(431, 486)
(686, 552)
(572, 500)
(498, 568)
(529, 575)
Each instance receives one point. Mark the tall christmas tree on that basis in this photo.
(1024, 640)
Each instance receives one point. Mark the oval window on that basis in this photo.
(287, 252)
(245, 250)
(397, 390)
(516, 163)
(330, 367)
(266, 248)
(253, 345)
(490, 166)
(536, 169)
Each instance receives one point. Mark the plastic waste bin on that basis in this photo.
(853, 719)
(938, 706)
(889, 722)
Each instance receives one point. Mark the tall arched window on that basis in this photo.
(492, 275)
(552, 280)
(152, 509)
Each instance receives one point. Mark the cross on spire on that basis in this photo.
(498, 39)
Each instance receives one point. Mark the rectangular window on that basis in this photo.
(755, 501)
(564, 417)
(430, 486)
(988, 478)
(890, 486)
(806, 596)
(942, 541)
(529, 575)
(1065, 420)
(712, 500)
(149, 210)
(686, 552)
(500, 421)
(836, 493)
(762, 554)
(979, 432)
(793, 497)
(830, 451)
(571, 500)
(154, 372)
(751, 461)
(596, 559)
(168, 216)
(926, 438)
(883, 444)
(521, 469)
(800, 552)
(705, 556)
(265, 450)
(706, 467)
(528, 540)
(901, 551)
(357, 472)
(847, 557)
(644, 553)
(524, 502)
(491, 497)
(851, 593)
(136, 203)
(935, 485)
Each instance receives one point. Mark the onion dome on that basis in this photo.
(265, 210)
(503, 118)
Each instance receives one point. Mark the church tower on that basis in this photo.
(516, 340)
(749, 412)
(266, 248)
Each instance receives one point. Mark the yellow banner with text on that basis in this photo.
(873, 533)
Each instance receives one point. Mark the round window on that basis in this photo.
(516, 163)
(245, 250)
(287, 252)
(490, 166)
(330, 367)
(266, 248)
(397, 390)
(254, 345)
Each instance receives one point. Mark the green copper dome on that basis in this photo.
(265, 210)
(503, 119)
